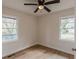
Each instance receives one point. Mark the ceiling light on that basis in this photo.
(41, 7)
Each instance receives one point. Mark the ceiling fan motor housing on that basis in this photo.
(41, 2)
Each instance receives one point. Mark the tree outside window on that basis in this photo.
(67, 28)
(8, 28)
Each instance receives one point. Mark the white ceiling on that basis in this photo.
(19, 5)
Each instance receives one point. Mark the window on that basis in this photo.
(67, 28)
(8, 28)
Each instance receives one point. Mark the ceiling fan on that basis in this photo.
(42, 4)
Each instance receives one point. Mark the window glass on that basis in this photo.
(8, 28)
(67, 28)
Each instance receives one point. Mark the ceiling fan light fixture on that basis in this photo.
(41, 7)
(42, 4)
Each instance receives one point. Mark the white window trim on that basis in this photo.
(6, 41)
(74, 28)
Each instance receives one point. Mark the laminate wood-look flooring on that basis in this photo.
(39, 52)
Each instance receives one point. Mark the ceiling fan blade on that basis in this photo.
(47, 9)
(30, 4)
(52, 2)
(36, 10)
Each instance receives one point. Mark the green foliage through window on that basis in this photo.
(67, 28)
(8, 28)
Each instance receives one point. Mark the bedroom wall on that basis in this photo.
(27, 27)
(33, 30)
(48, 28)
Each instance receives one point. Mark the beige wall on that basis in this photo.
(27, 25)
(49, 31)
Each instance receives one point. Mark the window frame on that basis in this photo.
(72, 16)
(14, 18)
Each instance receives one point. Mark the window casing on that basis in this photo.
(8, 28)
(67, 28)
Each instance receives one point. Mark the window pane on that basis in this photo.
(67, 28)
(8, 28)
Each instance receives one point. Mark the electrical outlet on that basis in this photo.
(73, 49)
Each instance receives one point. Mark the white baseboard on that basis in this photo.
(22, 48)
(56, 48)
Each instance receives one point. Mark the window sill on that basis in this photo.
(68, 40)
(7, 41)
